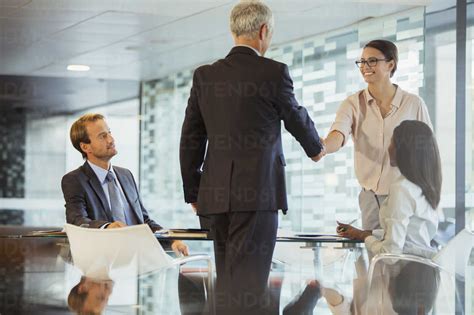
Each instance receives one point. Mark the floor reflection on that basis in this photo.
(40, 278)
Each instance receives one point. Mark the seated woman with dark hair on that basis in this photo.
(408, 216)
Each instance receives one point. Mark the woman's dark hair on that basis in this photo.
(417, 157)
(388, 49)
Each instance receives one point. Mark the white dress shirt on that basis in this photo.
(256, 51)
(101, 175)
(408, 222)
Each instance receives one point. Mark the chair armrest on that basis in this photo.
(191, 258)
(210, 283)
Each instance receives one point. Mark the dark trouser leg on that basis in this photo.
(250, 245)
(244, 244)
(219, 230)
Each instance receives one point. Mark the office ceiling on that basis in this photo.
(146, 39)
(137, 40)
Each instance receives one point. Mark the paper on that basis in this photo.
(185, 233)
(47, 233)
(315, 238)
(286, 234)
(312, 235)
(109, 253)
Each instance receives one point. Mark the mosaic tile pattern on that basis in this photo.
(11, 217)
(324, 74)
(12, 154)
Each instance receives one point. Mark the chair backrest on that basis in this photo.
(455, 255)
(98, 253)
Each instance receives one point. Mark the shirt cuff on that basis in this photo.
(370, 241)
(378, 234)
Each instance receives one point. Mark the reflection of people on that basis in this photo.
(413, 291)
(236, 107)
(90, 296)
(370, 116)
(304, 303)
(97, 194)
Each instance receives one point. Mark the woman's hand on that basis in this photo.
(180, 247)
(348, 231)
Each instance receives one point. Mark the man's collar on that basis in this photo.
(100, 172)
(243, 49)
(256, 51)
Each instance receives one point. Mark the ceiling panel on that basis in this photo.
(175, 8)
(17, 31)
(51, 15)
(14, 3)
(193, 29)
(7, 11)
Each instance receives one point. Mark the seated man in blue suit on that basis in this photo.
(98, 194)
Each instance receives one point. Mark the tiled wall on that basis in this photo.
(12, 153)
(323, 71)
(12, 162)
(324, 74)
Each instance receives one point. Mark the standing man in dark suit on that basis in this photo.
(231, 155)
(97, 194)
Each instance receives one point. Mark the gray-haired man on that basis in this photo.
(235, 111)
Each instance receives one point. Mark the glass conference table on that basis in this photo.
(38, 277)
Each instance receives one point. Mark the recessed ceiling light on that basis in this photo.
(78, 68)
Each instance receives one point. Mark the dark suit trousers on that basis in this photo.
(243, 246)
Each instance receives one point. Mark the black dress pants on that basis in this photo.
(243, 246)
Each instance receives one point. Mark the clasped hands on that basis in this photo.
(321, 154)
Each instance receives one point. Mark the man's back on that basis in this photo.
(237, 100)
(237, 104)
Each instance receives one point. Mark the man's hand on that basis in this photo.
(194, 205)
(180, 247)
(321, 154)
(348, 231)
(116, 224)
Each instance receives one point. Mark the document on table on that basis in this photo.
(286, 234)
(185, 233)
(106, 253)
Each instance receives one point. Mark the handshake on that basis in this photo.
(323, 152)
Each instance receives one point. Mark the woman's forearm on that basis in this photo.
(333, 141)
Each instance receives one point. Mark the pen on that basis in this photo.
(342, 229)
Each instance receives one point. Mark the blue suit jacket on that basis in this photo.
(86, 202)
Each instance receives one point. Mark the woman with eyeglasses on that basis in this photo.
(370, 116)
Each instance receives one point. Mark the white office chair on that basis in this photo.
(396, 281)
(109, 253)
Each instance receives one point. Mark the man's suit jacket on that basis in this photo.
(86, 202)
(235, 108)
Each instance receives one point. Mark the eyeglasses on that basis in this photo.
(371, 62)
